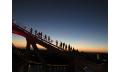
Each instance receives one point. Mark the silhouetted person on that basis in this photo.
(60, 44)
(66, 47)
(48, 38)
(56, 42)
(40, 34)
(31, 30)
(63, 45)
(35, 32)
(73, 49)
(51, 41)
(69, 47)
(45, 37)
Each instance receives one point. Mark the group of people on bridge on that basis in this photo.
(60, 45)
(41, 36)
(64, 46)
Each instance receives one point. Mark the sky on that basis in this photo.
(81, 23)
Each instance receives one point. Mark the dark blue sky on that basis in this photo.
(79, 22)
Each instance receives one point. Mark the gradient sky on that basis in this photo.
(81, 23)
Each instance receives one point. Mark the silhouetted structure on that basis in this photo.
(53, 59)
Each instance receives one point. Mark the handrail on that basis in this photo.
(41, 39)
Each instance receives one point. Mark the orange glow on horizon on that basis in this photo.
(101, 50)
(20, 42)
(85, 47)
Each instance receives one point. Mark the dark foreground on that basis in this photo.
(44, 61)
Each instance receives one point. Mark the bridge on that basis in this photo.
(54, 59)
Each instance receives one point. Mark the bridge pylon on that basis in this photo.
(31, 41)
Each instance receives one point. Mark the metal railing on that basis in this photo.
(27, 30)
